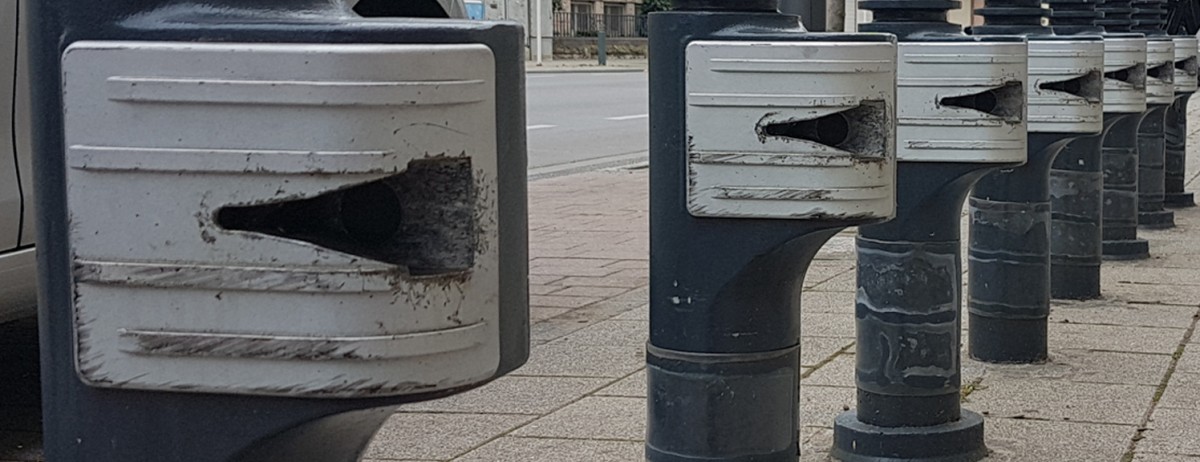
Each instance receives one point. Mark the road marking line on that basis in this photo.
(539, 127)
(629, 117)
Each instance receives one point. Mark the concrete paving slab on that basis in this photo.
(1121, 313)
(1190, 360)
(515, 395)
(1085, 366)
(426, 436)
(845, 282)
(813, 301)
(1062, 401)
(640, 313)
(633, 386)
(1150, 293)
(1182, 392)
(1116, 338)
(827, 325)
(1033, 440)
(1146, 457)
(566, 358)
(816, 447)
(1171, 431)
(837, 373)
(611, 332)
(518, 449)
(819, 405)
(814, 350)
(598, 417)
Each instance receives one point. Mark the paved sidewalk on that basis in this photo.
(1123, 384)
(586, 65)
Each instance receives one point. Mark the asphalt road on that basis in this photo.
(581, 122)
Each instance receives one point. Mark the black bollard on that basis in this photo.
(1076, 179)
(1151, 19)
(1009, 246)
(1187, 64)
(1119, 154)
(950, 132)
(765, 141)
(229, 271)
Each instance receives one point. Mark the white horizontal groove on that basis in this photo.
(287, 347)
(122, 158)
(964, 59)
(854, 193)
(371, 277)
(773, 100)
(295, 92)
(984, 83)
(966, 145)
(800, 66)
(773, 160)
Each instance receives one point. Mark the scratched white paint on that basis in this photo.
(1125, 54)
(736, 89)
(1160, 70)
(161, 135)
(1072, 60)
(1187, 63)
(931, 72)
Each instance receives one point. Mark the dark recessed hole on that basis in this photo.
(860, 130)
(1135, 75)
(401, 9)
(1006, 101)
(1164, 72)
(1089, 86)
(422, 219)
(1190, 66)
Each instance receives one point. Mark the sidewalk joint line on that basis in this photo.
(1138, 435)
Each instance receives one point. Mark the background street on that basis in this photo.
(585, 121)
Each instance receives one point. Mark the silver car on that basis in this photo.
(17, 276)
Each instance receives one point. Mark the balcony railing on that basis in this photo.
(567, 24)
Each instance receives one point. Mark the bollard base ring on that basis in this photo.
(960, 441)
(1179, 200)
(1128, 249)
(1158, 219)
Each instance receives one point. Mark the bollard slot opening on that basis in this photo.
(1189, 66)
(860, 130)
(399, 9)
(1006, 101)
(1089, 86)
(1164, 72)
(1133, 75)
(422, 219)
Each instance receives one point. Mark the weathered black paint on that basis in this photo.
(1151, 170)
(1175, 134)
(102, 425)
(723, 359)
(1076, 204)
(1119, 160)
(1009, 258)
(1008, 289)
(907, 312)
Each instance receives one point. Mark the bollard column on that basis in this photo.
(950, 132)
(1009, 245)
(765, 141)
(1076, 179)
(1150, 18)
(1119, 153)
(1187, 65)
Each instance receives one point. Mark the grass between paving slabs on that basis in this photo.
(1162, 388)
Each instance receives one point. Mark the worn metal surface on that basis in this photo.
(950, 132)
(746, 183)
(1009, 246)
(761, 147)
(139, 123)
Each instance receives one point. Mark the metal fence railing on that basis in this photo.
(567, 24)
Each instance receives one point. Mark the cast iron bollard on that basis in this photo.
(1175, 128)
(264, 244)
(950, 132)
(1119, 153)
(1009, 253)
(1150, 18)
(765, 141)
(1076, 176)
